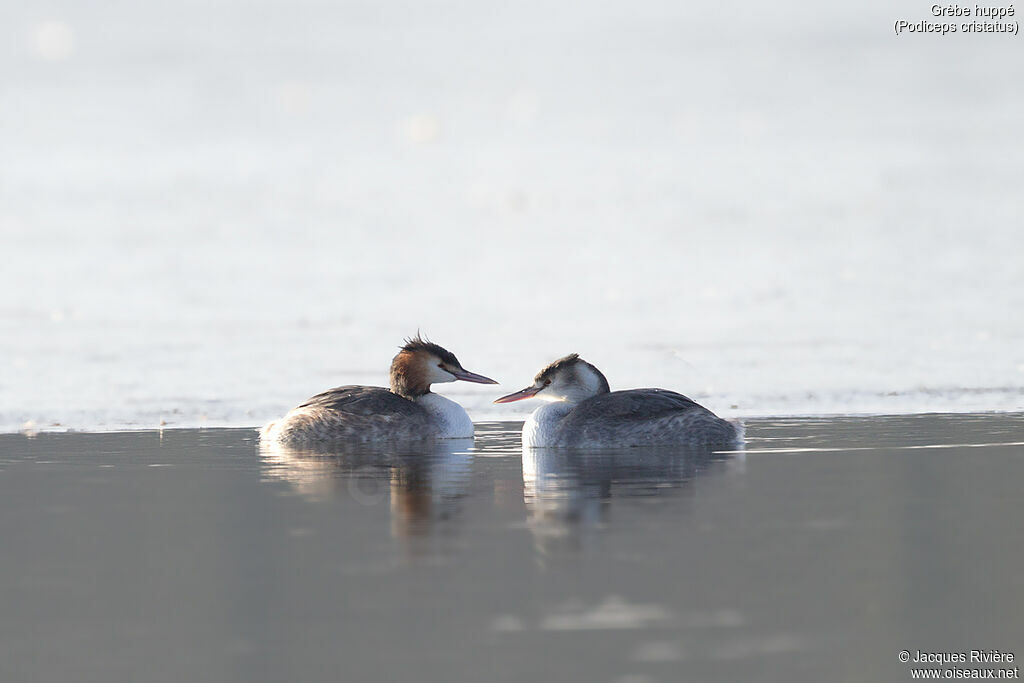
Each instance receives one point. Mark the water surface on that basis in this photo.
(819, 553)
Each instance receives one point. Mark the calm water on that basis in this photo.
(818, 554)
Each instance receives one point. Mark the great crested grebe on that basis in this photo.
(585, 413)
(408, 411)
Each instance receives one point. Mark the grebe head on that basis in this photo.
(421, 363)
(569, 379)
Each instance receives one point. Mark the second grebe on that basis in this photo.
(408, 411)
(585, 413)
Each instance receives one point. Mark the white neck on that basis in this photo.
(539, 429)
(451, 419)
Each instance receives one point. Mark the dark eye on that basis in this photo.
(547, 382)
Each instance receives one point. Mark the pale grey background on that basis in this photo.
(211, 210)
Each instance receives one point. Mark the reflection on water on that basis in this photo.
(423, 483)
(818, 553)
(569, 494)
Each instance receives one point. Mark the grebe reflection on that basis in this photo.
(421, 484)
(569, 494)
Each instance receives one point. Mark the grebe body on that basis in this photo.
(407, 411)
(584, 413)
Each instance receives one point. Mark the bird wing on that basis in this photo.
(642, 417)
(364, 401)
(648, 404)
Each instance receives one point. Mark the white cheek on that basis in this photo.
(438, 376)
(551, 394)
